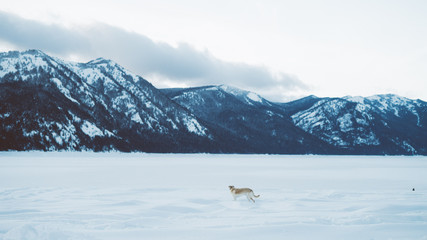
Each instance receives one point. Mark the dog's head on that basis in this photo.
(231, 187)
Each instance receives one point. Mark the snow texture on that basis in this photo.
(245, 95)
(153, 196)
(194, 126)
(25, 62)
(320, 120)
(91, 129)
(63, 89)
(254, 97)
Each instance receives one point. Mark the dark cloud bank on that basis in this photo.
(142, 55)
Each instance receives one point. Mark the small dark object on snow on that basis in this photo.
(413, 189)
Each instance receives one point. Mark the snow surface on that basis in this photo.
(91, 129)
(194, 126)
(254, 97)
(248, 96)
(63, 89)
(25, 62)
(318, 120)
(178, 196)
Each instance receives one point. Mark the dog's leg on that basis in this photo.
(251, 195)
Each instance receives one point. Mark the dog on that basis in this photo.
(237, 192)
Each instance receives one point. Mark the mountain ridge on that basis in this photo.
(108, 96)
(50, 104)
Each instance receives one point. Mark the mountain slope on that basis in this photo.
(261, 126)
(382, 124)
(50, 104)
(96, 105)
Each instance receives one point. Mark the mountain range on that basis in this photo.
(50, 104)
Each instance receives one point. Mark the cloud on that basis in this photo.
(29, 34)
(181, 65)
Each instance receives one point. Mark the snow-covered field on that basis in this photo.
(159, 196)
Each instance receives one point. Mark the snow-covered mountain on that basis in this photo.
(381, 124)
(50, 104)
(257, 124)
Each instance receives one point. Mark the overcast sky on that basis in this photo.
(280, 49)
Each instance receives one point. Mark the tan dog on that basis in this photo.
(237, 192)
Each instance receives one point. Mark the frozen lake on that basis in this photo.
(179, 196)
